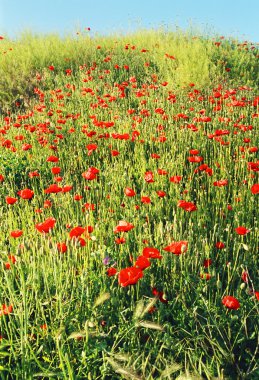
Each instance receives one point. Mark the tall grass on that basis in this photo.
(196, 58)
(69, 318)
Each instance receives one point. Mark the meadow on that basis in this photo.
(129, 207)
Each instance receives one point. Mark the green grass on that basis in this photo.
(70, 320)
(197, 59)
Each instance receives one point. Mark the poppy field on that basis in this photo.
(129, 207)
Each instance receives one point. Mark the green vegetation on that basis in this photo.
(197, 59)
(137, 152)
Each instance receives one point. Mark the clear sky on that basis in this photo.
(236, 18)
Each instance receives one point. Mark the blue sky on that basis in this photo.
(236, 18)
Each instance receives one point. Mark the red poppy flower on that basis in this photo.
(207, 263)
(16, 233)
(176, 178)
(55, 170)
(53, 189)
(194, 151)
(7, 143)
(89, 229)
(51, 68)
(82, 241)
(159, 295)
(202, 168)
(151, 253)
(177, 248)
(155, 155)
(26, 193)
(220, 183)
(91, 148)
(46, 226)
(255, 189)
(26, 147)
(120, 240)
(195, 159)
(111, 271)
(231, 302)
(129, 192)
(78, 197)
(47, 203)
(129, 276)
(33, 174)
(52, 159)
(187, 206)
(123, 226)
(162, 172)
(12, 260)
(58, 179)
(76, 232)
(90, 174)
(149, 177)
(145, 200)
(242, 230)
(142, 262)
(253, 149)
(88, 206)
(66, 189)
(244, 276)
(253, 166)
(62, 247)
(4, 310)
(220, 245)
(161, 193)
(205, 276)
(10, 200)
(115, 153)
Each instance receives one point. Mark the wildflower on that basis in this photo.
(62, 247)
(55, 170)
(176, 179)
(142, 262)
(10, 200)
(177, 248)
(149, 177)
(129, 276)
(220, 183)
(4, 310)
(25, 193)
(220, 245)
(231, 302)
(151, 253)
(242, 230)
(90, 174)
(111, 271)
(123, 226)
(129, 192)
(53, 189)
(106, 260)
(52, 159)
(46, 226)
(159, 295)
(187, 206)
(255, 189)
(16, 233)
(76, 232)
